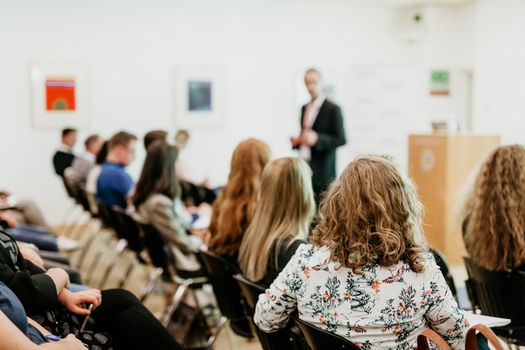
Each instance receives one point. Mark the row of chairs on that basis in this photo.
(148, 248)
(498, 294)
(236, 296)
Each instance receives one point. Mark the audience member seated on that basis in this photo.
(84, 162)
(120, 320)
(234, 208)
(64, 156)
(20, 332)
(282, 217)
(154, 135)
(29, 234)
(184, 170)
(24, 211)
(114, 184)
(157, 201)
(92, 177)
(493, 225)
(368, 275)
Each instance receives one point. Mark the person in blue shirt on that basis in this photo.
(114, 184)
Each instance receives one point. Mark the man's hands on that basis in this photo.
(307, 138)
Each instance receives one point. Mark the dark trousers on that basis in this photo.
(130, 324)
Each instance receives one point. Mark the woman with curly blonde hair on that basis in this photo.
(494, 222)
(367, 275)
(234, 209)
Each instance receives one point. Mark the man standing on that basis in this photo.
(114, 184)
(322, 131)
(64, 156)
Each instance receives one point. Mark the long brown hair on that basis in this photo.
(285, 209)
(158, 173)
(495, 231)
(371, 215)
(234, 208)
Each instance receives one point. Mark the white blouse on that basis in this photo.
(383, 308)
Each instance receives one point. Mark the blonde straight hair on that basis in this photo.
(285, 209)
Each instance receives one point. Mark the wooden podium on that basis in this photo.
(440, 164)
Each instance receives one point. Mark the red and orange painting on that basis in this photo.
(60, 94)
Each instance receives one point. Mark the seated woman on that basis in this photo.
(493, 225)
(19, 332)
(120, 320)
(234, 208)
(282, 217)
(157, 202)
(367, 275)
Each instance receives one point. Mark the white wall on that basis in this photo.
(131, 48)
(500, 69)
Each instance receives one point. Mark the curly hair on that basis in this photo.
(372, 215)
(234, 209)
(495, 228)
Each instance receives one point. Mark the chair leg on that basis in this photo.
(127, 273)
(148, 288)
(119, 250)
(88, 244)
(175, 302)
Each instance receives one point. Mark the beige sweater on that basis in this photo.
(162, 212)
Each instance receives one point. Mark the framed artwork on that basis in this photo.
(198, 97)
(59, 95)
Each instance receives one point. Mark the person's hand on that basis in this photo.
(203, 234)
(309, 137)
(74, 302)
(296, 141)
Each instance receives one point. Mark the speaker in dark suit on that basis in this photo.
(322, 131)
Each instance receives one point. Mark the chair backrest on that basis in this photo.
(83, 199)
(67, 186)
(195, 194)
(441, 261)
(319, 339)
(269, 341)
(226, 290)
(158, 250)
(497, 293)
(129, 229)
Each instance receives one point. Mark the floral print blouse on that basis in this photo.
(382, 308)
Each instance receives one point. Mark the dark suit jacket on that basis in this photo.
(61, 161)
(329, 127)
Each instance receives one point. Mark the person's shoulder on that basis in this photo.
(159, 199)
(308, 252)
(330, 104)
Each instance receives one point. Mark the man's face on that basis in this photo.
(181, 141)
(129, 152)
(312, 80)
(95, 146)
(70, 139)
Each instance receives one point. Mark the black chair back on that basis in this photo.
(497, 293)
(108, 217)
(319, 339)
(285, 338)
(226, 290)
(158, 250)
(441, 261)
(196, 195)
(129, 229)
